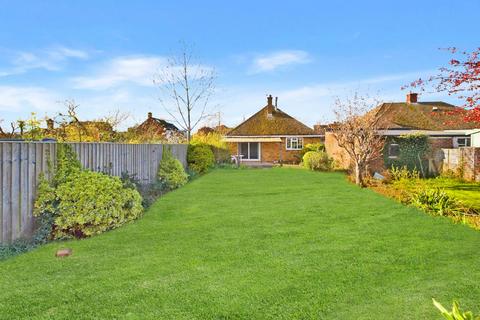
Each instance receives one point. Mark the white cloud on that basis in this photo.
(51, 59)
(27, 99)
(134, 69)
(274, 60)
(137, 70)
(61, 53)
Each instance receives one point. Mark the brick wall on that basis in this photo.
(339, 155)
(441, 143)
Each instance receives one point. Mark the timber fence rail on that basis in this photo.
(22, 162)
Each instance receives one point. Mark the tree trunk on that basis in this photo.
(358, 174)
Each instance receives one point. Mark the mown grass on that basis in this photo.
(255, 244)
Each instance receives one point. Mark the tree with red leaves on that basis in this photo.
(461, 78)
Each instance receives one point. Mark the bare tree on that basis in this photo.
(70, 117)
(116, 118)
(14, 126)
(2, 133)
(356, 131)
(185, 90)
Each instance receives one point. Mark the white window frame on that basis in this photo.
(389, 146)
(457, 144)
(289, 141)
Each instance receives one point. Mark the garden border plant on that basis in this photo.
(404, 185)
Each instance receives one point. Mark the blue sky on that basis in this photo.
(104, 54)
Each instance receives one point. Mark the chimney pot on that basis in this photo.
(150, 115)
(412, 97)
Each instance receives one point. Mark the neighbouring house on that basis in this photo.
(270, 136)
(220, 129)
(441, 122)
(155, 129)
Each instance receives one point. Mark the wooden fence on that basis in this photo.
(465, 162)
(22, 162)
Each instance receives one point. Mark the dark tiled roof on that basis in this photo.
(422, 116)
(264, 124)
(156, 124)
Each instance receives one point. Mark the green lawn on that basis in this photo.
(255, 244)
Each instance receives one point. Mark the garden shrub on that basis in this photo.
(317, 160)
(171, 171)
(200, 158)
(90, 203)
(397, 173)
(215, 140)
(309, 147)
(149, 192)
(80, 203)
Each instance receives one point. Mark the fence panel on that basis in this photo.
(22, 162)
(463, 161)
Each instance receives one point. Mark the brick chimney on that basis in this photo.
(270, 105)
(150, 115)
(412, 97)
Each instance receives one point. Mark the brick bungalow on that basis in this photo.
(440, 121)
(270, 136)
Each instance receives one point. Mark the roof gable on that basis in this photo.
(270, 121)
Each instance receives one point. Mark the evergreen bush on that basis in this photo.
(200, 158)
(171, 171)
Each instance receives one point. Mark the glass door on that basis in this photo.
(249, 150)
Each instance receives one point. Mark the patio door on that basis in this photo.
(249, 150)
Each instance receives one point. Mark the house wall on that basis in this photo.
(339, 155)
(475, 140)
(343, 161)
(274, 152)
(440, 143)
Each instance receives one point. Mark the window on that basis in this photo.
(393, 151)
(249, 150)
(294, 143)
(461, 142)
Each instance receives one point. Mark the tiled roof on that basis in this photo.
(156, 124)
(422, 115)
(270, 121)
